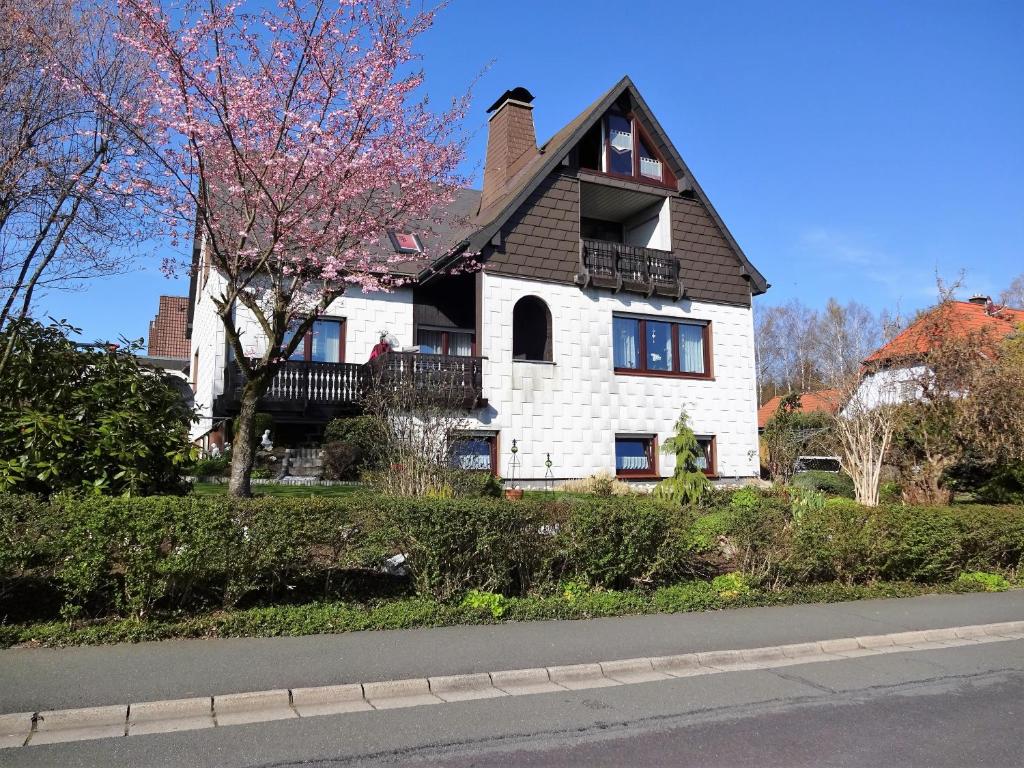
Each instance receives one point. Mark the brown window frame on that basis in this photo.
(668, 179)
(444, 336)
(307, 341)
(676, 373)
(712, 456)
(652, 458)
(492, 441)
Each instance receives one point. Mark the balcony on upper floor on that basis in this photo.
(309, 389)
(633, 268)
(626, 242)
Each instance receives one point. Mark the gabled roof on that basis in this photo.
(962, 318)
(490, 220)
(168, 331)
(821, 401)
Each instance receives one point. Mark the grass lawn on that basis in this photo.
(277, 489)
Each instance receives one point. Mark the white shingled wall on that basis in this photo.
(574, 407)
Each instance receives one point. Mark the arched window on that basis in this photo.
(531, 330)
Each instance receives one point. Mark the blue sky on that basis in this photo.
(852, 148)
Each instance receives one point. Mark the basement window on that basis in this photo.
(635, 456)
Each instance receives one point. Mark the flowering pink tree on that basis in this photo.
(291, 140)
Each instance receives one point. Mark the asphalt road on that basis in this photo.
(958, 706)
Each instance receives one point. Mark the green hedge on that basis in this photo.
(142, 557)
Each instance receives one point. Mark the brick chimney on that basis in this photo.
(511, 141)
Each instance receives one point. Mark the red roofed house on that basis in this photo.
(821, 401)
(891, 373)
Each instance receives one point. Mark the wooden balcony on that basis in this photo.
(324, 390)
(633, 268)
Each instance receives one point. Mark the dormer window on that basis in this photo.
(619, 146)
(405, 242)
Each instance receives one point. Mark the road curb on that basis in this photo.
(48, 727)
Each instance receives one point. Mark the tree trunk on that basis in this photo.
(243, 444)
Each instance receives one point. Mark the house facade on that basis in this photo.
(610, 296)
(893, 373)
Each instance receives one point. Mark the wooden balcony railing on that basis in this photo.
(300, 383)
(628, 267)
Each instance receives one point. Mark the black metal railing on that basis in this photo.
(628, 267)
(300, 381)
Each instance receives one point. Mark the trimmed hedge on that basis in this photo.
(145, 557)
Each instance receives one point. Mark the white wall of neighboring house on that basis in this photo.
(889, 386)
(574, 407)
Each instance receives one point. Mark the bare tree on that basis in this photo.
(863, 428)
(421, 411)
(1013, 296)
(65, 203)
(800, 349)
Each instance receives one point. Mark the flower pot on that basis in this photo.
(514, 494)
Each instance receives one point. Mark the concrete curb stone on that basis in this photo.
(55, 726)
(680, 665)
(723, 660)
(580, 676)
(14, 729)
(254, 707)
(393, 694)
(464, 687)
(632, 671)
(329, 700)
(61, 725)
(520, 682)
(169, 716)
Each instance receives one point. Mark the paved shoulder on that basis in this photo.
(34, 679)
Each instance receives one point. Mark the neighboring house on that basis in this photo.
(169, 346)
(611, 296)
(892, 373)
(822, 400)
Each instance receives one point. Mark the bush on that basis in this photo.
(834, 542)
(340, 461)
(1006, 486)
(212, 467)
(615, 545)
(365, 438)
(989, 582)
(86, 420)
(140, 557)
(454, 545)
(832, 483)
(471, 484)
(602, 484)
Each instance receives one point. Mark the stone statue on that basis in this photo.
(265, 443)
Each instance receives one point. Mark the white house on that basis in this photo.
(611, 296)
(894, 373)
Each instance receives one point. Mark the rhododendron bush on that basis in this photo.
(288, 140)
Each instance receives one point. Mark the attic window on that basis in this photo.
(619, 146)
(405, 242)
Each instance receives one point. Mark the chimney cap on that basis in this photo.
(980, 299)
(517, 94)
